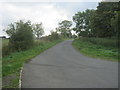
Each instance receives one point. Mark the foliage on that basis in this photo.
(21, 36)
(11, 29)
(103, 19)
(83, 21)
(64, 28)
(38, 30)
(115, 23)
(101, 22)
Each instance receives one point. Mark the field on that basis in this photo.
(98, 48)
(13, 62)
(5, 42)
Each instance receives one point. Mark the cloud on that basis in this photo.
(46, 13)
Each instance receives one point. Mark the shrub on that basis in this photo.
(22, 38)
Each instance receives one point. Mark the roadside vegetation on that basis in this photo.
(97, 48)
(98, 31)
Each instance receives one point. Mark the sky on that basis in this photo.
(49, 13)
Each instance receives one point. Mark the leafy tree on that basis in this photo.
(64, 28)
(38, 30)
(83, 20)
(98, 23)
(21, 36)
(114, 23)
(78, 19)
(101, 22)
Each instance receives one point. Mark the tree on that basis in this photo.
(83, 20)
(101, 22)
(115, 23)
(78, 19)
(98, 23)
(21, 36)
(64, 28)
(38, 30)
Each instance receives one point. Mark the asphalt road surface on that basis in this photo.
(64, 67)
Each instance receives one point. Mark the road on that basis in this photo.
(64, 67)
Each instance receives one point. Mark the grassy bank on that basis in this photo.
(13, 62)
(105, 42)
(97, 48)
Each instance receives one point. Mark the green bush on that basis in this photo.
(22, 38)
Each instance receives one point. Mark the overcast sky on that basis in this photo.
(46, 12)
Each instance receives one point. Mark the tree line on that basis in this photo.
(102, 22)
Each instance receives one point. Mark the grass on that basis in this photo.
(106, 42)
(13, 62)
(95, 50)
(5, 42)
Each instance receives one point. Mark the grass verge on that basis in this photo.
(12, 63)
(96, 51)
